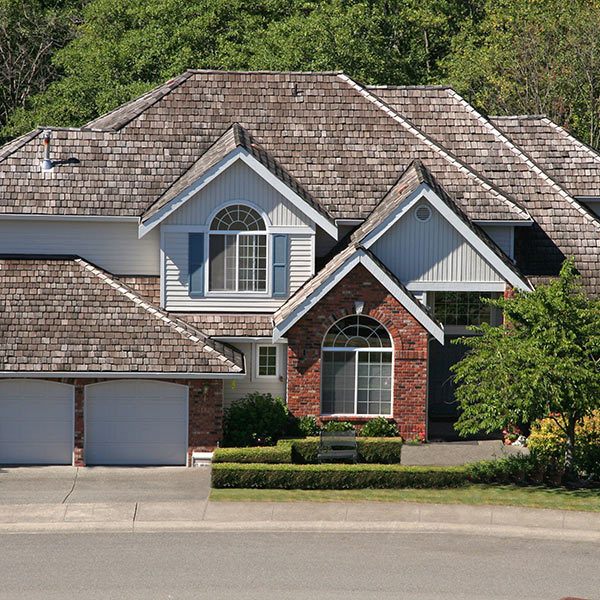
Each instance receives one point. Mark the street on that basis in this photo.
(421, 566)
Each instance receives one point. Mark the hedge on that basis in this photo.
(335, 477)
(386, 451)
(280, 454)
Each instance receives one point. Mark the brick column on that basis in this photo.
(205, 427)
(78, 453)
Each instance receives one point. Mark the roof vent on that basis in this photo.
(48, 163)
(423, 213)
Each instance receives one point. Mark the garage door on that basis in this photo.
(136, 422)
(36, 422)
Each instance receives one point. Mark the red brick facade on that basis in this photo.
(410, 341)
(205, 412)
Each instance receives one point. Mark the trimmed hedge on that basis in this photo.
(386, 451)
(279, 454)
(335, 477)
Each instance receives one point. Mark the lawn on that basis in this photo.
(503, 495)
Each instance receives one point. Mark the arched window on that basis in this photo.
(238, 251)
(356, 370)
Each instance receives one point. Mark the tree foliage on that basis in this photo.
(544, 362)
(533, 57)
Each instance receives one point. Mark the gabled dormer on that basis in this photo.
(237, 231)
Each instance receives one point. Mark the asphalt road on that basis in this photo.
(265, 566)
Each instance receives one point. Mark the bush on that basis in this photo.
(370, 450)
(338, 426)
(335, 477)
(547, 442)
(518, 469)
(267, 454)
(254, 420)
(379, 427)
(308, 426)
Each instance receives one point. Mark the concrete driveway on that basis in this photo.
(47, 485)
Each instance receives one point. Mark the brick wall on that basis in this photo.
(205, 424)
(410, 351)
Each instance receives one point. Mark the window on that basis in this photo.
(463, 308)
(238, 251)
(356, 376)
(267, 361)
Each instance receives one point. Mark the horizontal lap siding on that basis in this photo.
(431, 252)
(112, 246)
(238, 388)
(176, 277)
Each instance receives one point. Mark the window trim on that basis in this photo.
(267, 292)
(257, 374)
(356, 414)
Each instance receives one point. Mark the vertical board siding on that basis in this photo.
(112, 246)
(177, 297)
(433, 251)
(238, 182)
(238, 388)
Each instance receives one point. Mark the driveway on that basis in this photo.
(48, 485)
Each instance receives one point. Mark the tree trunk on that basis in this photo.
(570, 448)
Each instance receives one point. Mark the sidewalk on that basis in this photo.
(298, 516)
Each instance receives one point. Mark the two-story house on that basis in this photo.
(291, 233)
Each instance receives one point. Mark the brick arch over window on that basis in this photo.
(410, 342)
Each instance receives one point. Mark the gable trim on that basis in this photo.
(361, 257)
(213, 172)
(424, 191)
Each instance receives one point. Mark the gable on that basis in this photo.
(239, 183)
(433, 251)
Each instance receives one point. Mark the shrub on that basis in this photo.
(548, 442)
(254, 420)
(335, 477)
(308, 426)
(379, 427)
(338, 426)
(267, 454)
(370, 450)
(519, 469)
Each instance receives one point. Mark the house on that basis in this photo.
(290, 233)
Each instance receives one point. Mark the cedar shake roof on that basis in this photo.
(235, 137)
(64, 314)
(562, 227)
(567, 160)
(329, 134)
(415, 175)
(230, 325)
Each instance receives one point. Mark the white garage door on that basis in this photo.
(136, 422)
(36, 422)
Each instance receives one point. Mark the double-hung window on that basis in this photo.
(357, 365)
(237, 251)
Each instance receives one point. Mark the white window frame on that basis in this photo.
(356, 414)
(257, 374)
(267, 292)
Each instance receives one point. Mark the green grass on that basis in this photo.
(503, 495)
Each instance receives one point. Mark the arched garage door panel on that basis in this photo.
(36, 422)
(131, 422)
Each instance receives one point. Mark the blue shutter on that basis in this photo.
(196, 264)
(280, 265)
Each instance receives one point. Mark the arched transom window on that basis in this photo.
(238, 251)
(356, 373)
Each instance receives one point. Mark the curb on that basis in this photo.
(572, 535)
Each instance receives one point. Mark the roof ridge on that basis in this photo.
(261, 72)
(518, 151)
(441, 150)
(184, 329)
(11, 147)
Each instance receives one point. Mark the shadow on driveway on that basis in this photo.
(39, 485)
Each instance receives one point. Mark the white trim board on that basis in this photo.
(235, 155)
(455, 286)
(424, 191)
(41, 217)
(121, 374)
(360, 257)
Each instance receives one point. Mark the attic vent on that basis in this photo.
(423, 213)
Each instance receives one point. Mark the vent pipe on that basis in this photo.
(47, 163)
